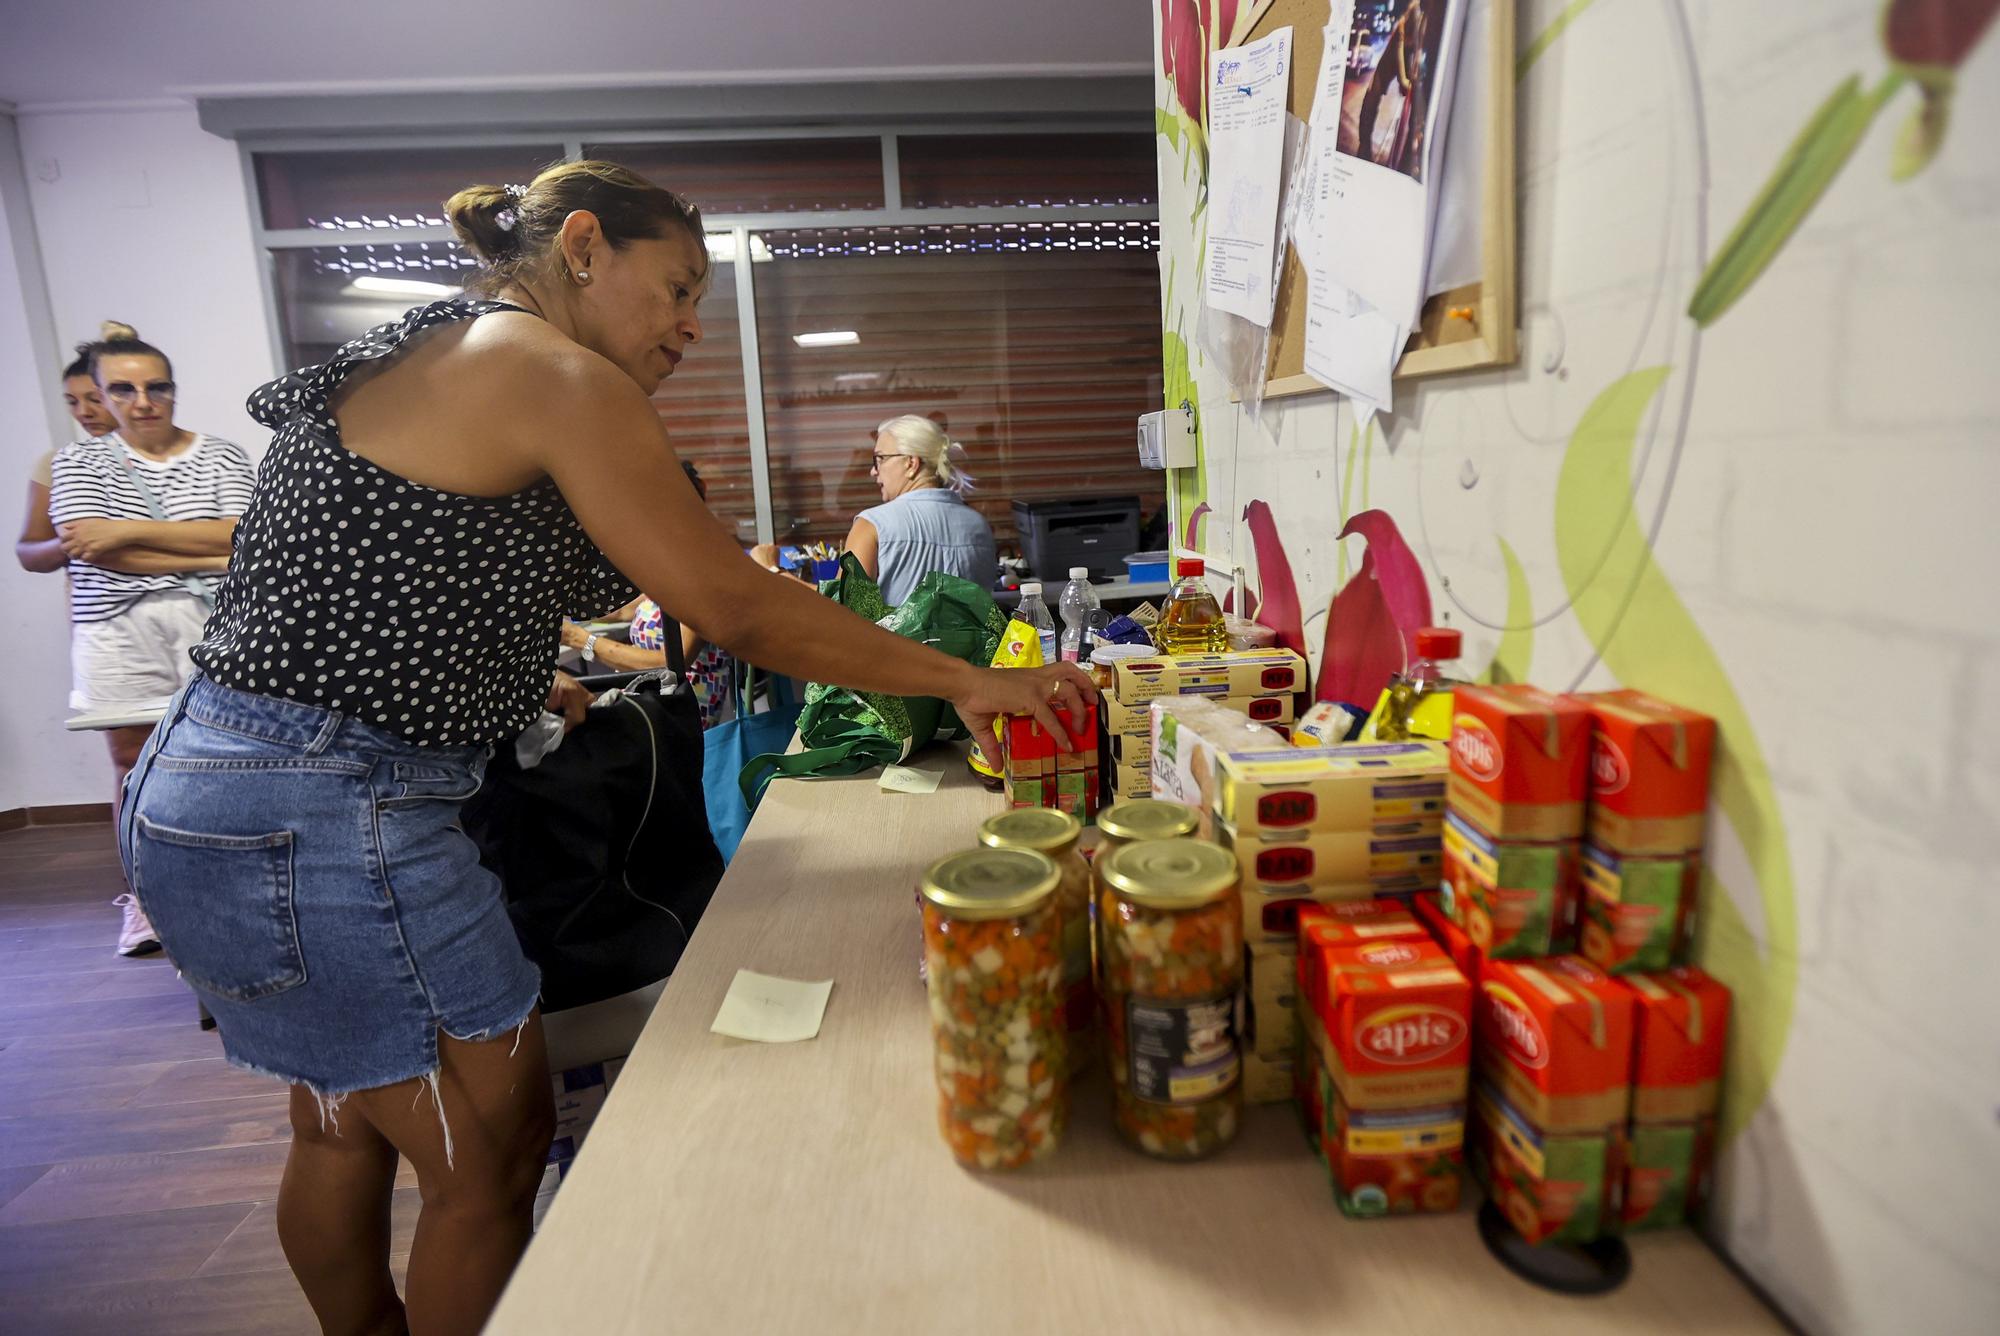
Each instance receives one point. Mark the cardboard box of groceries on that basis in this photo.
(1258, 788)
(1249, 672)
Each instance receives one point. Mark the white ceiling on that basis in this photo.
(62, 52)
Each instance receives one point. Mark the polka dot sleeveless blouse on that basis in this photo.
(430, 614)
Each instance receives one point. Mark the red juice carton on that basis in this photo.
(1312, 964)
(1520, 759)
(1444, 930)
(1553, 1096)
(1515, 899)
(1393, 1031)
(1682, 1024)
(1649, 765)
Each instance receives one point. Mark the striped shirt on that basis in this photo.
(210, 480)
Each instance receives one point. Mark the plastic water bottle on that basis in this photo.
(1083, 616)
(1036, 614)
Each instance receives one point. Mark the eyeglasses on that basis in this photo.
(124, 391)
(876, 467)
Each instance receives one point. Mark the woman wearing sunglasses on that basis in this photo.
(144, 515)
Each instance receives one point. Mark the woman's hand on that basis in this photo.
(89, 539)
(573, 636)
(570, 699)
(1038, 693)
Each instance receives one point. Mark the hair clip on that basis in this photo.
(505, 220)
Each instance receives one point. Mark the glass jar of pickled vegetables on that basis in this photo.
(1128, 822)
(993, 954)
(1059, 835)
(1171, 945)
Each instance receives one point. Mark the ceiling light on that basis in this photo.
(722, 248)
(374, 285)
(827, 338)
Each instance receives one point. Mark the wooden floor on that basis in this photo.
(138, 1171)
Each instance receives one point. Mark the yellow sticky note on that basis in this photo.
(903, 779)
(771, 1010)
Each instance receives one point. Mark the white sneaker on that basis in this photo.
(136, 938)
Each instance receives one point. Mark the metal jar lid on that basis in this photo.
(1042, 828)
(1147, 819)
(991, 883)
(1171, 874)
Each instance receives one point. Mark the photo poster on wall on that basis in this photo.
(1460, 163)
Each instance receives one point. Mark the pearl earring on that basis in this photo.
(582, 277)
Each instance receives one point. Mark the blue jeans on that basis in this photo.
(307, 875)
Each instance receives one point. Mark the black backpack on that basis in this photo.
(603, 848)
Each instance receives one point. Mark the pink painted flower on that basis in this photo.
(1375, 616)
(1184, 51)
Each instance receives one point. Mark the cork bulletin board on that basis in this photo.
(1461, 329)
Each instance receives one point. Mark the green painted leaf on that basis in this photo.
(1803, 174)
(1546, 38)
(1516, 653)
(1645, 635)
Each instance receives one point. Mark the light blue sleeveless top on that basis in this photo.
(931, 529)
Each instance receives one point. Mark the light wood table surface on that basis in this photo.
(739, 1187)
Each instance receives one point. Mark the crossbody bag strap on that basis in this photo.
(194, 584)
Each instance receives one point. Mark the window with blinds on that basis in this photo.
(1028, 324)
(1035, 346)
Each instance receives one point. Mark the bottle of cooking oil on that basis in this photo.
(1192, 622)
(1409, 707)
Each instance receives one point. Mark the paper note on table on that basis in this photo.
(905, 779)
(1247, 88)
(770, 1010)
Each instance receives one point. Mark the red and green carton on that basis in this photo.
(1515, 899)
(1520, 759)
(1317, 927)
(1649, 764)
(1391, 1036)
(1634, 908)
(1682, 1024)
(1549, 1109)
(1037, 773)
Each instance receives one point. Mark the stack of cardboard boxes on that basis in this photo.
(1262, 685)
(1037, 773)
(1384, 1060)
(1595, 1103)
(1308, 826)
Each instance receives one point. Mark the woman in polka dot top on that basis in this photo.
(435, 500)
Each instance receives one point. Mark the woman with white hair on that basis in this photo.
(923, 523)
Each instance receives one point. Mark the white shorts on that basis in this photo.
(140, 656)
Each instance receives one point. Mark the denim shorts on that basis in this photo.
(307, 875)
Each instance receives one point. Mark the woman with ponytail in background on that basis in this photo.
(923, 523)
(38, 548)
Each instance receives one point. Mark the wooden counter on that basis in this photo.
(737, 1187)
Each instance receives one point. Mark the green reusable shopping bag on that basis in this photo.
(843, 732)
